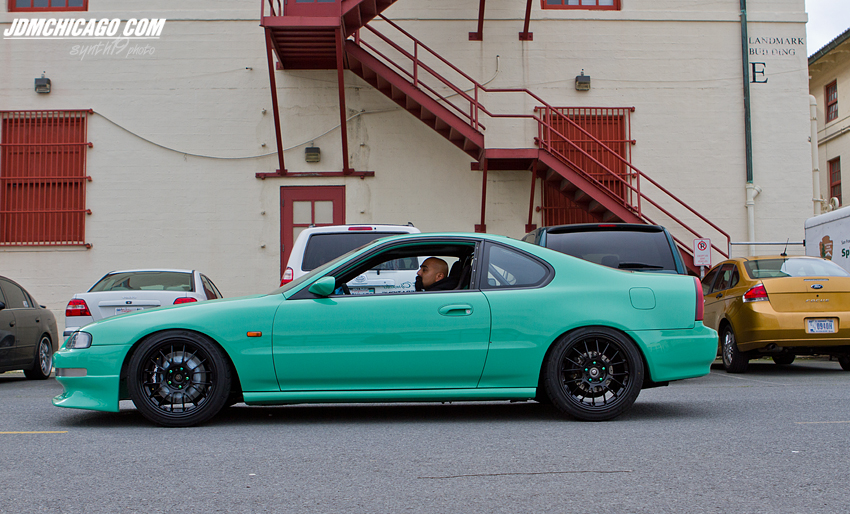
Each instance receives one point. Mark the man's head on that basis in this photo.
(432, 270)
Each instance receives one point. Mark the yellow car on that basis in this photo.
(779, 306)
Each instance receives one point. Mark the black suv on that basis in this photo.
(627, 246)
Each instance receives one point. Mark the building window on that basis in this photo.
(832, 101)
(835, 179)
(48, 5)
(43, 178)
(582, 4)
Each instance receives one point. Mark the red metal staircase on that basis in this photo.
(452, 103)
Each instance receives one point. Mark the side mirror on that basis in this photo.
(323, 287)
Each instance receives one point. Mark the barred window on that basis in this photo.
(835, 179)
(613, 5)
(43, 178)
(832, 101)
(48, 5)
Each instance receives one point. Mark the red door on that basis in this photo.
(306, 206)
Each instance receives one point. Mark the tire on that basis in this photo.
(42, 362)
(844, 362)
(734, 360)
(784, 359)
(178, 378)
(594, 374)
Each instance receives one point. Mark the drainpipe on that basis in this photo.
(817, 199)
(752, 190)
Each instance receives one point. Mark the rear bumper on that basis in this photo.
(758, 326)
(677, 354)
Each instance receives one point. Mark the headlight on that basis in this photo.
(78, 340)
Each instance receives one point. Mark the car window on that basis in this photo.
(323, 248)
(210, 290)
(145, 281)
(725, 278)
(16, 298)
(708, 281)
(793, 267)
(621, 249)
(507, 268)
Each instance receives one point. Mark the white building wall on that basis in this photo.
(175, 186)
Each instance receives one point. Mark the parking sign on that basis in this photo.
(702, 252)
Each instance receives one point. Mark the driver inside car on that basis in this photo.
(433, 275)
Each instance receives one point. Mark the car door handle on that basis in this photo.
(11, 323)
(455, 310)
(719, 295)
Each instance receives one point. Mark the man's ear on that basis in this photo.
(439, 276)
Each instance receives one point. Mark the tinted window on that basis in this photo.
(793, 267)
(323, 248)
(209, 288)
(708, 281)
(16, 298)
(634, 250)
(145, 281)
(728, 278)
(507, 268)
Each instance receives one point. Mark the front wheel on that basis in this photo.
(43, 361)
(733, 359)
(178, 379)
(594, 374)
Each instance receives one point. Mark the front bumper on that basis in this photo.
(96, 388)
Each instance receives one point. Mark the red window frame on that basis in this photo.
(13, 7)
(831, 95)
(562, 4)
(835, 179)
(43, 178)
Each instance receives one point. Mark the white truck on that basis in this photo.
(828, 236)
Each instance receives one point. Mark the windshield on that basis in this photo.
(793, 267)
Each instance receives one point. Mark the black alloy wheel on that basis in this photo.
(178, 378)
(844, 362)
(43, 361)
(594, 374)
(734, 360)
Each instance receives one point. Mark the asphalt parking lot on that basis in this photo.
(771, 440)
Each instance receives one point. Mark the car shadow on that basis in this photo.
(800, 367)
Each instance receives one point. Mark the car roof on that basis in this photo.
(149, 270)
(405, 229)
(587, 227)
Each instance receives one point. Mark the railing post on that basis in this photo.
(416, 64)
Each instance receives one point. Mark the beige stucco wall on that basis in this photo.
(194, 201)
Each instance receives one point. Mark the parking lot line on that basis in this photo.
(37, 432)
(818, 422)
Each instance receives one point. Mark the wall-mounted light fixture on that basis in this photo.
(42, 85)
(583, 82)
(312, 154)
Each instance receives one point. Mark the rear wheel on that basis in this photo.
(733, 359)
(784, 359)
(43, 361)
(594, 374)
(844, 361)
(178, 379)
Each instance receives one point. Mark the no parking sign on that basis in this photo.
(702, 252)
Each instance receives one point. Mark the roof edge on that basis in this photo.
(844, 36)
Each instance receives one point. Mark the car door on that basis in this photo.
(717, 299)
(7, 334)
(393, 341)
(27, 321)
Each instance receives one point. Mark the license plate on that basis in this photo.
(821, 326)
(125, 310)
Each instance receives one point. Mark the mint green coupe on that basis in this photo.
(509, 321)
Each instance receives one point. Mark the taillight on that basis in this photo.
(700, 300)
(77, 307)
(287, 276)
(187, 299)
(756, 294)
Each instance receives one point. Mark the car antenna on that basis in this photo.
(785, 251)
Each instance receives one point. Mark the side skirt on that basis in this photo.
(416, 395)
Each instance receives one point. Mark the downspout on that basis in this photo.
(752, 190)
(817, 199)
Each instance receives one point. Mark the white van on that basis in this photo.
(318, 245)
